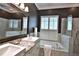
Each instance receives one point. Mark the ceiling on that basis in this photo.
(7, 7)
(42, 6)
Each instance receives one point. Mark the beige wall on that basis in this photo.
(64, 25)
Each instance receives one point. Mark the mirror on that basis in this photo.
(66, 25)
(12, 27)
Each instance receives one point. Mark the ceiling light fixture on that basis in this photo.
(23, 7)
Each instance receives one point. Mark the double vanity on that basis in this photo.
(26, 47)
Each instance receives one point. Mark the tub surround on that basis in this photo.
(53, 46)
(50, 48)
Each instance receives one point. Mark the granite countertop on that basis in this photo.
(30, 39)
(28, 43)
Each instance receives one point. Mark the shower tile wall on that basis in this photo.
(64, 26)
(73, 47)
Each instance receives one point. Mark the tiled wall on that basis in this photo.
(74, 42)
(63, 25)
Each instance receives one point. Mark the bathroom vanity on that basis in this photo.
(9, 49)
(31, 45)
(25, 47)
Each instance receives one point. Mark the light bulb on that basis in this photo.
(22, 5)
(26, 9)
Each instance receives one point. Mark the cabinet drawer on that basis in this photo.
(58, 53)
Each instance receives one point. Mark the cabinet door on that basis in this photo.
(29, 53)
(58, 53)
(47, 52)
(35, 51)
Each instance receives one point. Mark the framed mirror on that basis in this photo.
(12, 27)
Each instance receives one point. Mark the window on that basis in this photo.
(13, 23)
(53, 22)
(69, 23)
(49, 22)
(44, 22)
(25, 22)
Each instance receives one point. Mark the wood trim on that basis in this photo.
(12, 38)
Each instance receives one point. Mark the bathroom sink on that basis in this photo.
(30, 39)
(54, 46)
(10, 49)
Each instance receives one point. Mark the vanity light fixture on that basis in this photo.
(22, 5)
(26, 9)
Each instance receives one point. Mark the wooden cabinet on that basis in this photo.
(22, 53)
(34, 51)
(58, 53)
(29, 53)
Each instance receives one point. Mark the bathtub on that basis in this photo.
(53, 46)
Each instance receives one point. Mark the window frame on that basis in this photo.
(54, 22)
(43, 21)
(49, 22)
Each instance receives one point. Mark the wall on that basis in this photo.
(32, 17)
(32, 22)
(64, 25)
(74, 42)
